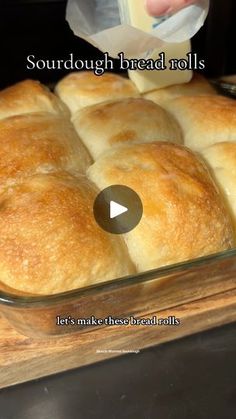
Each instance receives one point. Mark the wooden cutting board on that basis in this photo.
(23, 358)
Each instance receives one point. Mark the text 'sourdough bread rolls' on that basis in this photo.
(81, 89)
(221, 157)
(39, 143)
(50, 241)
(133, 120)
(198, 86)
(30, 96)
(205, 120)
(184, 215)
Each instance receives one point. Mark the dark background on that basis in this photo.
(38, 27)
(191, 378)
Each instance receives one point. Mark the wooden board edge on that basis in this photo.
(195, 317)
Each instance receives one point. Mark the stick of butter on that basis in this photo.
(135, 14)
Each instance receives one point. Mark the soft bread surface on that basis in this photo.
(39, 143)
(221, 157)
(184, 214)
(205, 120)
(29, 96)
(132, 120)
(81, 89)
(198, 86)
(50, 241)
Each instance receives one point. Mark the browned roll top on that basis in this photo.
(49, 241)
(184, 214)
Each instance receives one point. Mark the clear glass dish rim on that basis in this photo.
(20, 301)
(224, 86)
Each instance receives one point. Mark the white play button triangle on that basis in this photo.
(116, 209)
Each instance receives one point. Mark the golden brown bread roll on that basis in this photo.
(29, 96)
(133, 120)
(39, 143)
(205, 120)
(221, 157)
(184, 214)
(198, 86)
(50, 241)
(81, 89)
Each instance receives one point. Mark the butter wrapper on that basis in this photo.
(104, 24)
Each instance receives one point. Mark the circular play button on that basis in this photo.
(118, 209)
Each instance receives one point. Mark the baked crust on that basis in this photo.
(198, 86)
(80, 89)
(221, 157)
(30, 96)
(133, 120)
(184, 213)
(205, 120)
(50, 242)
(39, 143)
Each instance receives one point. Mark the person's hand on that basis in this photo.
(165, 7)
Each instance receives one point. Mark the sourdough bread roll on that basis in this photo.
(205, 120)
(81, 89)
(39, 143)
(221, 157)
(133, 120)
(30, 96)
(50, 241)
(198, 86)
(184, 215)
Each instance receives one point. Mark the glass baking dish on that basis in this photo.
(145, 293)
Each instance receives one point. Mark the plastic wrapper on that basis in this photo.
(102, 24)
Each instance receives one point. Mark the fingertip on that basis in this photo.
(157, 8)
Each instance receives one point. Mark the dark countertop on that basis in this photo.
(192, 378)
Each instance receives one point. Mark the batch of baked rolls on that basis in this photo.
(175, 147)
